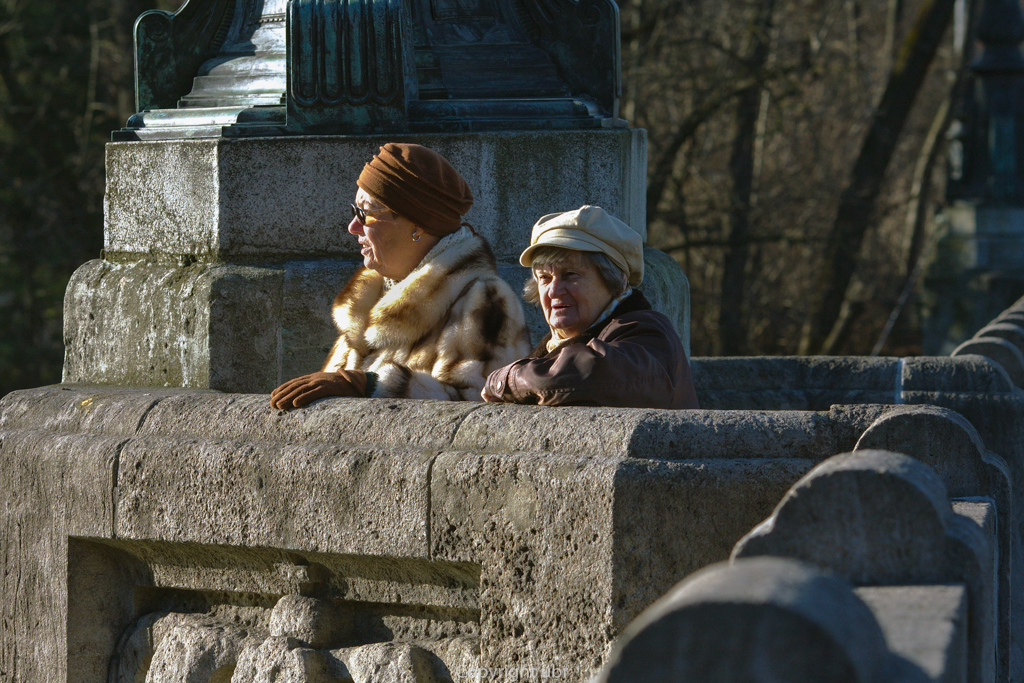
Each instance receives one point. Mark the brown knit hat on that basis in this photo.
(419, 184)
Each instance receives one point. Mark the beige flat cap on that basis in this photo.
(590, 228)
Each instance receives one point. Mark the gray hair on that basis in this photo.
(612, 276)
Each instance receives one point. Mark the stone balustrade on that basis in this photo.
(865, 571)
(464, 537)
(769, 618)
(938, 575)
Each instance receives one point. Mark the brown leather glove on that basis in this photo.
(302, 391)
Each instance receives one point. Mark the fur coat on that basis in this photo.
(437, 333)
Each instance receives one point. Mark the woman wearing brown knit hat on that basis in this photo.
(427, 315)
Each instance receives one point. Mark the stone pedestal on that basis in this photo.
(220, 199)
(222, 256)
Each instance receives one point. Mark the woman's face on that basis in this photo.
(572, 295)
(387, 240)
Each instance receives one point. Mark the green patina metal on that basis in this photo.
(347, 65)
(285, 67)
(170, 47)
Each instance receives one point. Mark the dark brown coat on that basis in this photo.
(634, 359)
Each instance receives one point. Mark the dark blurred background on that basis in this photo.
(757, 111)
(66, 80)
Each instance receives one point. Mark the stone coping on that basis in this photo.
(440, 425)
(968, 373)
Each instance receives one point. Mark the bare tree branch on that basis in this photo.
(731, 332)
(857, 203)
(686, 130)
(718, 242)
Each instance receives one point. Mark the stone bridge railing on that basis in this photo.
(923, 609)
(173, 535)
(535, 535)
(874, 576)
(890, 572)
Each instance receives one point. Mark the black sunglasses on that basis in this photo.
(361, 214)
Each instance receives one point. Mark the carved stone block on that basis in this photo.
(882, 518)
(758, 619)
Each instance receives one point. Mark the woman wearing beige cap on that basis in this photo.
(606, 346)
(427, 315)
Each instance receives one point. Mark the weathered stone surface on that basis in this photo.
(663, 435)
(433, 425)
(265, 494)
(137, 304)
(286, 198)
(386, 423)
(841, 515)
(793, 383)
(307, 330)
(70, 409)
(982, 511)
(389, 663)
(52, 487)
(450, 590)
(763, 619)
(280, 659)
(999, 350)
(203, 326)
(966, 373)
(972, 385)
(997, 418)
(539, 520)
(216, 492)
(186, 648)
(169, 412)
(196, 649)
(528, 520)
(456, 658)
(676, 435)
(206, 326)
(878, 517)
(698, 504)
(667, 288)
(948, 443)
(99, 586)
(134, 653)
(316, 623)
(925, 624)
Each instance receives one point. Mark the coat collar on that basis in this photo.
(418, 302)
(634, 302)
